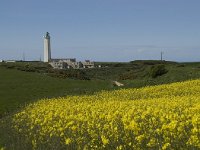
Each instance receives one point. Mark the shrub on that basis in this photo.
(130, 75)
(70, 73)
(181, 65)
(158, 70)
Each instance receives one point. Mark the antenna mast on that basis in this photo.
(23, 57)
(161, 56)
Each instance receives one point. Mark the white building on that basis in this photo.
(70, 63)
(66, 63)
(87, 64)
(47, 48)
(10, 61)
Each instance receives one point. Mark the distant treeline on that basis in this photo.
(138, 69)
(45, 68)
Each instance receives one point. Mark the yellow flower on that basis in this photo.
(152, 142)
(128, 117)
(140, 138)
(166, 146)
(68, 141)
(105, 141)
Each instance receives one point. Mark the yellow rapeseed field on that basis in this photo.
(157, 117)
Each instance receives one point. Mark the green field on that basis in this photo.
(25, 82)
(18, 88)
(21, 83)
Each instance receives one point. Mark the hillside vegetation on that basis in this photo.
(156, 117)
(135, 70)
(23, 82)
(18, 88)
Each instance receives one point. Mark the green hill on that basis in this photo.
(23, 82)
(18, 88)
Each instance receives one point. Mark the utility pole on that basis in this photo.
(161, 56)
(23, 57)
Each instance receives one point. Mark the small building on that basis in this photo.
(64, 63)
(70, 63)
(58, 65)
(10, 61)
(87, 64)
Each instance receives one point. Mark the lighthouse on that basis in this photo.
(47, 48)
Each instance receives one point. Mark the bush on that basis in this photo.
(158, 70)
(70, 73)
(130, 75)
(181, 65)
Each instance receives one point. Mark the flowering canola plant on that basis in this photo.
(156, 117)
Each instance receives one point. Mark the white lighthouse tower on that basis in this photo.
(47, 48)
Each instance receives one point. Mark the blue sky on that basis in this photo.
(101, 30)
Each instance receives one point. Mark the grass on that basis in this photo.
(18, 88)
(175, 74)
(22, 83)
(168, 114)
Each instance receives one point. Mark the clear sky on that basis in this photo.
(101, 30)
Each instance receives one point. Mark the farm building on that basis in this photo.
(70, 63)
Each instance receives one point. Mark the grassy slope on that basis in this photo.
(176, 73)
(18, 88)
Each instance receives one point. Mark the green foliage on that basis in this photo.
(41, 67)
(158, 70)
(151, 62)
(131, 75)
(24, 82)
(17, 88)
(167, 114)
(70, 73)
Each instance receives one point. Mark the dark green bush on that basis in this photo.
(158, 70)
(130, 75)
(70, 73)
(181, 65)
